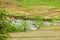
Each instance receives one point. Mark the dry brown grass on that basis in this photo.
(53, 28)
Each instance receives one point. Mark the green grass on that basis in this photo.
(55, 3)
(53, 19)
(26, 9)
(3, 24)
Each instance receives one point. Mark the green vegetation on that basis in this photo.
(38, 20)
(6, 26)
(38, 17)
(53, 19)
(18, 28)
(26, 27)
(55, 3)
(3, 25)
(56, 18)
(9, 27)
(26, 9)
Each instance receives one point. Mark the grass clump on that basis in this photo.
(53, 19)
(26, 27)
(16, 27)
(38, 20)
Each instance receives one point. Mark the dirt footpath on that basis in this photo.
(36, 35)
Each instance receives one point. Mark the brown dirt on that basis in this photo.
(44, 10)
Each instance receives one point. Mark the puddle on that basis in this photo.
(32, 24)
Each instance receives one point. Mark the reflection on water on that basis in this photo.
(29, 23)
(32, 24)
(46, 23)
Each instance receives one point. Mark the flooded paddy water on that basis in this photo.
(33, 25)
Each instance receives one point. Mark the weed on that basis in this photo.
(53, 19)
(38, 20)
(3, 24)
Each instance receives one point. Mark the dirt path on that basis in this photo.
(36, 35)
(45, 11)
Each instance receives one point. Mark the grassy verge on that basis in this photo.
(55, 3)
(3, 25)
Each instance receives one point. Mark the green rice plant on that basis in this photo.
(23, 27)
(38, 17)
(3, 25)
(53, 19)
(14, 27)
(26, 27)
(24, 23)
(57, 18)
(39, 20)
(24, 17)
(18, 28)
(10, 28)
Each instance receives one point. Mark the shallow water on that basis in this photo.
(32, 24)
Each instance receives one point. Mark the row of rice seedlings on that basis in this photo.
(3, 25)
(53, 19)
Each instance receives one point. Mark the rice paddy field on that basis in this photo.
(30, 19)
